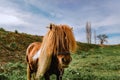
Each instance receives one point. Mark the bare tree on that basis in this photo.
(88, 32)
(95, 36)
(102, 38)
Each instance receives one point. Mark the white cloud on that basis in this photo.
(9, 19)
(18, 14)
(14, 18)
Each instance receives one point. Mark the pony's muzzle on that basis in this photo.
(66, 61)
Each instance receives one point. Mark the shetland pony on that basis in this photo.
(52, 55)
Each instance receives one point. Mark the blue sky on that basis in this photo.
(32, 16)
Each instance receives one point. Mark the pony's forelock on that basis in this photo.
(59, 37)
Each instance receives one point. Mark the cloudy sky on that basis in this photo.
(32, 16)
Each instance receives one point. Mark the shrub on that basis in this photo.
(13, 45)
(16, 31)
(2, 29)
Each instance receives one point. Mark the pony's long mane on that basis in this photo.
(59, 38)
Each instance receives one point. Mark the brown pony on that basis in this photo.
(52, 55)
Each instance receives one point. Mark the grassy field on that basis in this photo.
(90, 62)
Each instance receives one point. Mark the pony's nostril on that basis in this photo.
(63, 60)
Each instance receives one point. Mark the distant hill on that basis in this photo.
(91, 62)
(13, 44)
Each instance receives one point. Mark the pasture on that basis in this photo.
(90, 62)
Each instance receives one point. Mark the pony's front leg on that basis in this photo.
(38, 77)
(28, 73)
(47, 76)
(60, 74)
(59, 77)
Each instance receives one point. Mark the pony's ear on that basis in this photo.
(50, 27)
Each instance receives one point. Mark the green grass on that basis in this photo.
(91, 62)
(13, 71)
(98, 64)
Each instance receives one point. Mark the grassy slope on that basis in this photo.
(96, 64)
(13, 45)
(90, 62)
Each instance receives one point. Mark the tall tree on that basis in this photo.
(95, 36)
(102, 38)
(88, 32)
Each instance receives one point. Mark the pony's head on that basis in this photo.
(61, 43)
(64, 59)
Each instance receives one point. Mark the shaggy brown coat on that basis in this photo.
(59, 39)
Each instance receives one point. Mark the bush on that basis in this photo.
(13, 45)
(2, 29)
(16, 31)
